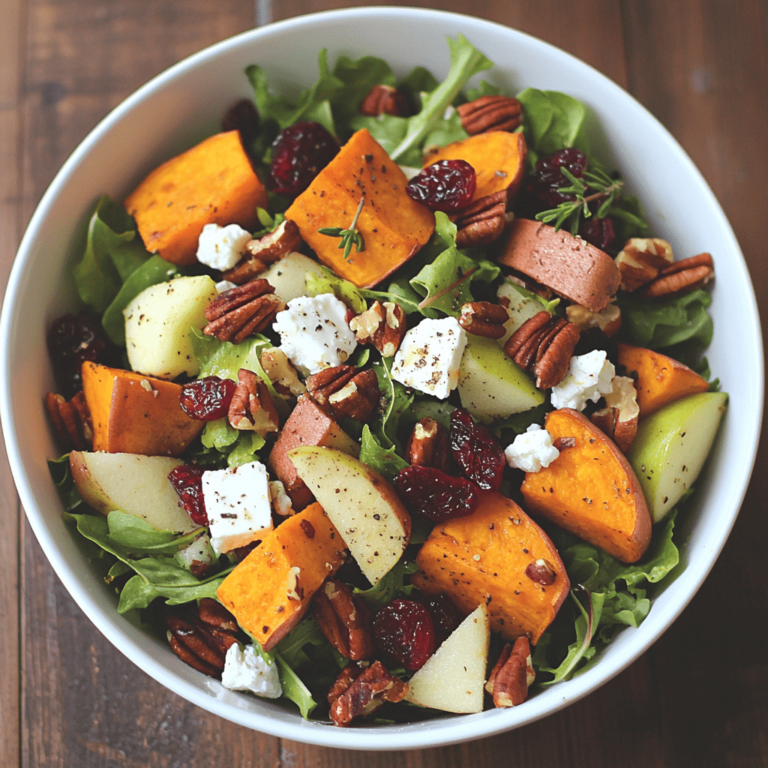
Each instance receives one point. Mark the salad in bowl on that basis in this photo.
(384, 400)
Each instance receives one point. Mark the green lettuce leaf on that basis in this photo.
(385, 461)
(391, 586)
(328, 282)
(396, 401)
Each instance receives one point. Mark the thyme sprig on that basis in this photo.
(349, 237)
(593, 186)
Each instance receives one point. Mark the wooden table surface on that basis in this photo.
(699, 697)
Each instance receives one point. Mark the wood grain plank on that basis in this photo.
(11, 47)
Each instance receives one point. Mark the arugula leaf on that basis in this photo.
(342, 289)
(385, 461)
(294, 689)
(113, 252)
(391, 586)
(61, 474)
(139, 537)
(139, 593)
(397, 401)
(466, 62)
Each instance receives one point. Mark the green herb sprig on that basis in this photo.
(349, 237)
(598, 184)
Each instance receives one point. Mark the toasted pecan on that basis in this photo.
(429, 445)
(345, 620)
(252, 407)
(237, 313)
(491, 113)
(344, 390)
(482, 318)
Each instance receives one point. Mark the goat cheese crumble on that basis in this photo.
(531, 451)
(222, 247)
(589, 377)
(246, 670)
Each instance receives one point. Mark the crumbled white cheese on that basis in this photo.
(199, 551)
(532, 450)
(225, 285)
(281, 501)
(314, 332)
(222, 247)
(246, 670)
(430, 356)
(237, 504)
(589, 378)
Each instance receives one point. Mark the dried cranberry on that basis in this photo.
(479, 455)
(242, 116)
(207, 399)
(542, 189)
(187, 481)
(428, 492)
(299, 153)
(447, 185)
(445, 615)
(73, 340)
(599, 232)
(403, 631)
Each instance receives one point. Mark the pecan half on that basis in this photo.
(345, 620)
(366, 694)
(71, 420)
(512, 675)
(345, 391)
(482, 318)
(237, 313)
(385, 100)
(252, 407)
(681, 277)
(264, 251)
(482, 222)
(383, 325)
(620, 417)
(202, 638)
(608, 320)
(491, 113)
(281, 373)
(641, 260)
(544, 345)
(429, 446)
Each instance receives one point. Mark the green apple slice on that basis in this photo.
(491, 385)
(361, 504)
(452, 679)
(671, 447)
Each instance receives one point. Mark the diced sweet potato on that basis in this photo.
(568, 265)
(660, 379)
(212, 183)
(308, 424)
(271, 589)
(132, 413)
(498, 158)
(591, 490)
(393, 226)
(500, 557)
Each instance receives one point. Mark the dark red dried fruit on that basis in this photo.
(73, 340)
(542, 189)
(207, 399)
(244, 117)
(299, 153)
(403, 631)
(445, 615)
(447, 185)
(428, 492)
(599, 232)
(478, 453)
(187, 481)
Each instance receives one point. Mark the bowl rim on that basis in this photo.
(442, 732)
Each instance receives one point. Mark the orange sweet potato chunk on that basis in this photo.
(483, 559)
(212, 183)
(498, 158)
(660, 379)
(271, 589)
(393, 226)
(591, 490)
(132, 413)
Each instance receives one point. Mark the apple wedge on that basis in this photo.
(453, 678)
(361, 504)
(671, 447)
(137, 485)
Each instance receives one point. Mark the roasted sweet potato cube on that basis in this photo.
(132, 413)
(500, 557)
(591, 490)
(393, 226)
(308, 424)
(271, 589)
(660, 379)
(498, 158)
(212, 183)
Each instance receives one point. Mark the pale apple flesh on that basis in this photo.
(134, 484)
(491, 385)
(289, 275)
(453, 678)
(362, 505)
(671, 447)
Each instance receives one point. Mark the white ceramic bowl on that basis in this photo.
(185, 104)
